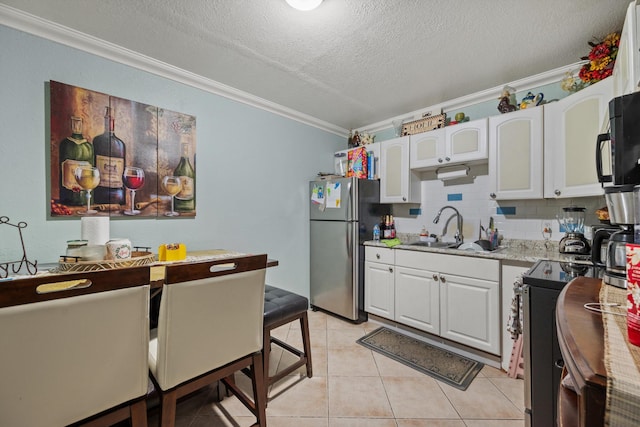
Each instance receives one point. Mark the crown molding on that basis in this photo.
(527, 83)
(31, 24)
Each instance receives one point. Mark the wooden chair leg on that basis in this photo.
(168, 402)
(266, 353)
(139, 414)
(304, 325)
(259, 389)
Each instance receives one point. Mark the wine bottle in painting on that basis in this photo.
(110, 156)
(186, 198)
(73, 151)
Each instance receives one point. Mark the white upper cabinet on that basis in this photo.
(398, 184)
(427, 149)
(571, 127)
(516, 155)
(626, 72)
(461, 143)
(467, 142)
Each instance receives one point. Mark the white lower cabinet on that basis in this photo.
(379, 282)
(455, 297)
(417, 299)
(470, 311)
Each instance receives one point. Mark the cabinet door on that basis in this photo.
(515, 155)
(625, 72)
(470, 312)
(417, 299)
(427, 149)
(466, 142)
(571, 127)
(397, 183)
(379, 289)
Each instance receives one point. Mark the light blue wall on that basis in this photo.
(252, 166)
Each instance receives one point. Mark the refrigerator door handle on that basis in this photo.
(349, 240)
(348, 205)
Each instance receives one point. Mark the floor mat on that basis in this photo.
(451, 368)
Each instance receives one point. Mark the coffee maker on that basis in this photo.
(573, 241)
(624, 153)
(620, 203)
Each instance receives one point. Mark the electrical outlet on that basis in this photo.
(546, 229)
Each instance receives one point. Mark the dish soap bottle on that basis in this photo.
(424, 234)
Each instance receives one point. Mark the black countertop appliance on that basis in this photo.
(543, 362)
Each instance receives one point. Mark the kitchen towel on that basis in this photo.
(391, 242)
(94, 229)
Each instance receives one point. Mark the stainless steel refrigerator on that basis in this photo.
(342, 217)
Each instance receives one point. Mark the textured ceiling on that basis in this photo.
(350, 62)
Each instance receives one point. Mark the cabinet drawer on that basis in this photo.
(376, 254)
(480, 268)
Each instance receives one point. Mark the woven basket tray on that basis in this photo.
(137, 259)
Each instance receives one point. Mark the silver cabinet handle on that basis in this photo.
(557, 192)
(443, 279)
(435, 277)
(447, 159)
(404, 199)
(378, 256)
(390, 270)
(440, 160)
(492, 195)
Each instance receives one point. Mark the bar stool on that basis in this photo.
(209, 327)
(282, 307)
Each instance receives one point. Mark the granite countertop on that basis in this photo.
(509, 250)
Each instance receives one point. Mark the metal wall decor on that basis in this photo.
(14, 267)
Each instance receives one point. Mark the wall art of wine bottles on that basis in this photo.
(116, 157)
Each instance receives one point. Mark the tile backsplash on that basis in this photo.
(515, 219)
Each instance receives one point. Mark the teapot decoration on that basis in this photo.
(531, 99)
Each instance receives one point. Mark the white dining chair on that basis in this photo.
(210, 326)
(74, 349)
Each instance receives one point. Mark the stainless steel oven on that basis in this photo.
(543, 362)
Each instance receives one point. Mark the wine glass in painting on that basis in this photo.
(172, 185)
(133, 178)
(88, 178)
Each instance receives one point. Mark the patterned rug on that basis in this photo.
(443, 365)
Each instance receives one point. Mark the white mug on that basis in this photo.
(119, 249)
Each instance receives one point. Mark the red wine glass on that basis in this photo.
(133, 178)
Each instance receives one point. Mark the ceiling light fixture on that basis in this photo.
(304, 4)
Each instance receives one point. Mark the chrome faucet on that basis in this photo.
(459, 237)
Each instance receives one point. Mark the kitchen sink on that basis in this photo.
(451, 245)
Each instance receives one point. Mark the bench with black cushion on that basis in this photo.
(280, 308)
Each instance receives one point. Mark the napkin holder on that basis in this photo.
(172, 252)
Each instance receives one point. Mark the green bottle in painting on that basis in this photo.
(186, 199)
(74, 151)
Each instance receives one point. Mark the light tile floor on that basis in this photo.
(353, 386)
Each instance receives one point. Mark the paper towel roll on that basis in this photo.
(95, 229)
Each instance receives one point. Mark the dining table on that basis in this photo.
(69, 278)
